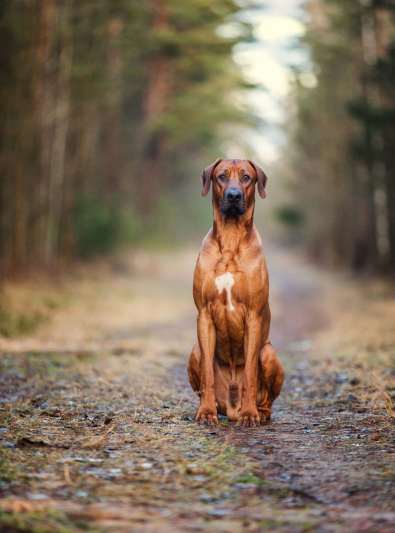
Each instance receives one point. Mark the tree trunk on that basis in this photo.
(372, 34)
(112, 130)
(155, 102)
(45, 126)
(57, 163)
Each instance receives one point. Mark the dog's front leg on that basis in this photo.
(249, 415)
(207, 412)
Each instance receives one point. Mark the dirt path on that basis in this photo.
(96, 430)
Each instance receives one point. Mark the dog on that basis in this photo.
(233, 367)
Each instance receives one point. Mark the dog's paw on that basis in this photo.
(264, 414)
(248, 418)
(206, 416)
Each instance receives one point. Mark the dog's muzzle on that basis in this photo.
(233, 202)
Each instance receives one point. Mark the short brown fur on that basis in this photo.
(233, 366)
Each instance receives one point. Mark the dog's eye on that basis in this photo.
(246, 178)
(222, 177)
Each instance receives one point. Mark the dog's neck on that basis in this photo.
(229, 231)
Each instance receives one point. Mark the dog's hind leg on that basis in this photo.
(194, 368)
(270, 380)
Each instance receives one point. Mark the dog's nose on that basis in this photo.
(233, 196)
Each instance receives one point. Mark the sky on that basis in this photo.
(268, 62)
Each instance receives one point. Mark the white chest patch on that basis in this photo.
(226, 281)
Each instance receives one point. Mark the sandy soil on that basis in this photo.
(96, 428)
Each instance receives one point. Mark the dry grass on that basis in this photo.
(360, 339)
(87, 443)
(95, 421)
(100, 305)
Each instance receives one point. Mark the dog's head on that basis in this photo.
(234, 184)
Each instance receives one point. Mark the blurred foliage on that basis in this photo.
(289, 215)
(100, 227)
(107, 110)
(15, 324)
(344, 135)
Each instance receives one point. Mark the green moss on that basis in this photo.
(7, 473)
(51, 522)
(15, 324)
(249, 478)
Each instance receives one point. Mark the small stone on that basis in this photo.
(81, 494)
(37, 496)
(245, 485)
(146, 465)
(352, 398)
(218, 512)
(289, 500)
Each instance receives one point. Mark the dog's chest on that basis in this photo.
(227, 289)
(230, 298)
(225, 282)
(232, 284)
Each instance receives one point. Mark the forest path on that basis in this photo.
(97, 434)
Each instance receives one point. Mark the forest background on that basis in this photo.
(109, 112)
(111, 109)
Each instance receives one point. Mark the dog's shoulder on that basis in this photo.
(209, 252)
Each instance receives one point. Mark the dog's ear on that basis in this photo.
(206, 177)
(261, 178)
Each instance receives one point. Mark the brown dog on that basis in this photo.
(233, 367)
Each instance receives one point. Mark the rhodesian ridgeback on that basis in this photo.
(233, 367)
